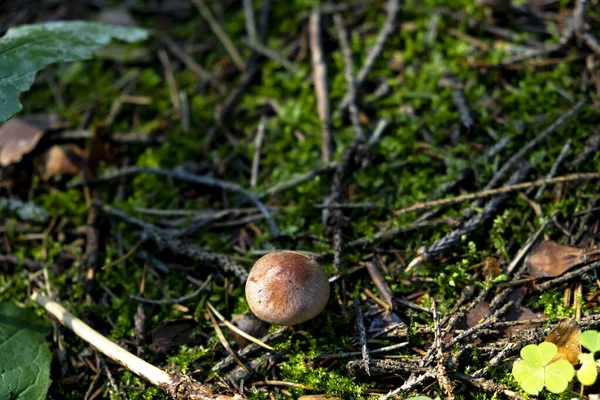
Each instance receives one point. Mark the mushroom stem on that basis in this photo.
(178, 386)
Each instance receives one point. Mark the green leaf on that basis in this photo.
(26, 49)
(590, 340)
(541, 354)
(558, 375)
(535, 371)
(588, 373)
(529, 375)
(24, 354)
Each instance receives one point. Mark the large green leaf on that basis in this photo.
(26, 49)
(24, 354)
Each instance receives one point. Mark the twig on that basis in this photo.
(516, 158)
(453, 237)
(250, 22)
(566, 277)
(590, 147)
(187, 60)
(411, 383)
(321, 89)
(178, 300)
(391, 233)
(92, 251)
(552, 173)
(275, 56)
(170, 77)
(349, 75)
(193, 178)
(228, 361)
(526, 247)
(164, 241)
(381, 284)
(487, 385)
(258, 142)
(501, 190)
(441, 375)
(299, 180)
(220, 33)
(364, 349)
(178, 386)
(387, 29)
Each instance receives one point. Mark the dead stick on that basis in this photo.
(320, 79)
(220, 33)
(387, 29)
(493, 192)
(349, 74)
(178, 386)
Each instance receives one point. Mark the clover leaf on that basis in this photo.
(535, 370)
(590, 340)
(588, 373)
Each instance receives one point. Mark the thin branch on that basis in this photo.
(178, 386)
(517, 157)
(563, 153)
(178, 300)
(220, 33)
(501, 190)
(366, 358)
(387, 29)
(193, 178)
(258, 142)
(349, 74)
(321, 89)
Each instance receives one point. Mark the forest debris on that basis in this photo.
(249, 324)
(178, 386)
(550, 259)
(320, 79)
(565, 335)
(17, 138)
(68, 160)
(173, 333)
(25, 210)
(381, 284)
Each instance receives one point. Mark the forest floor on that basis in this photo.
(314, 127)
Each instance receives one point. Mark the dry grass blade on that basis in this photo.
(236, 329)
(492, 192)
(223, 340)
(220, 33)
(124, 257)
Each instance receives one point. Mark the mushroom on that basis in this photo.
(287, 288)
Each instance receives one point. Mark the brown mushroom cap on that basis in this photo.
(287, 288)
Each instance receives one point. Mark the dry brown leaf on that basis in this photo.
(249, 324)
(60, 160)
(17, 138)
(565, 336)
(550, 259)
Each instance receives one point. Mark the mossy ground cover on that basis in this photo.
(424, 148)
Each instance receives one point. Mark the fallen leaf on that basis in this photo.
(17, 138)
(550, 259)
(173, 333)
(565, 336)
(60, 160)
(250, 324)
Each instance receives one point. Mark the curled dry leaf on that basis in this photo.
(249, 324)
(565, 336)
(550, 259)
(60, 160)
(174, 333)
(17, 138)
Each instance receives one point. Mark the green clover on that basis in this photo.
(588, 373)
(535, 371)
(590, 340)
